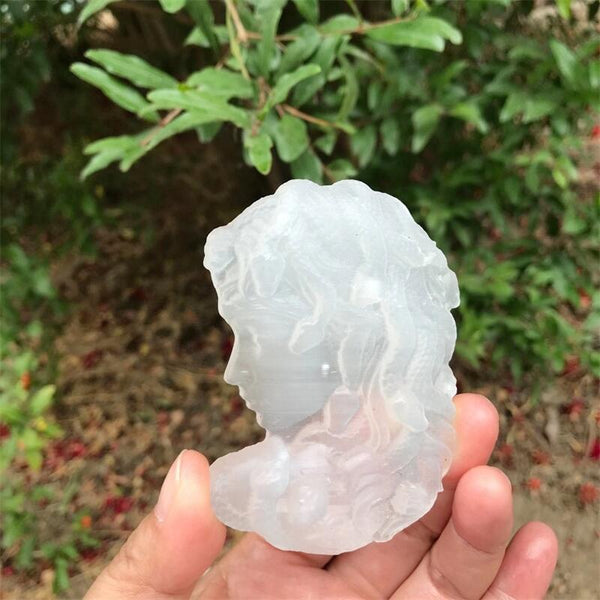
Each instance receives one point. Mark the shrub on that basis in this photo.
(472, 112)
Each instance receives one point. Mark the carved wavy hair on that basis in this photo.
(352, 266)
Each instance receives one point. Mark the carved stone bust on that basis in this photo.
(340, 305)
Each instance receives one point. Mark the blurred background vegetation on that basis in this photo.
(130, 129)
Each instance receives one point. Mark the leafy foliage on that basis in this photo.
(482, 140)
(31, 311)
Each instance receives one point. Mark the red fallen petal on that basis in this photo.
(8, 571)
(574, 408)
(541, 458)
(594, 452)
(588, 493)
(89, 554)
(86, 521)
(505, 454)
(91, 359)
(26, 380)
(595, 132)
(585, 300)
(119, 505)
(75, 449)
(571, 365)
(138, 295)
(533, 484)
(4, 431)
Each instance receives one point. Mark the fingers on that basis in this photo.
(466, 557)
(173, 546)
(528, 565)
(381, 568)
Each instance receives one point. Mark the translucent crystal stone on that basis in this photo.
(340, 305)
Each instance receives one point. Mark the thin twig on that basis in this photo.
(239, 26)
(361, 29)
(309, 118)
(163, 122)
(234, 44)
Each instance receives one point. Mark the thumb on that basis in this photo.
(173, 546)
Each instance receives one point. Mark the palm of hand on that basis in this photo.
(460, 549)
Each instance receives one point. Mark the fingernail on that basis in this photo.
(169, 488)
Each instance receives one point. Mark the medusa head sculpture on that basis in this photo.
(340, 306)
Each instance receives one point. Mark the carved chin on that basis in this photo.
(279, 422)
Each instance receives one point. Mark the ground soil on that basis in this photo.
(140, 378)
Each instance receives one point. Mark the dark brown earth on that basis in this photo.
(140, 378)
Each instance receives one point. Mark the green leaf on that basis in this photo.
(363, 144)
(207, 131)
(560, 178)
(425, 121)
(91, 8)
(197, 37)
(99, 162)
(24, 558)
(425, 32)
(342, 23)
(326, 143)
(324, 57)
(291, 137)
(537, 108)
(309, 9)
(259, 151)
(42, 400)
(201, 12)
(286, 82)
(197, 102)
(399, 7)
(172, 6)
(308, 166)
(268, 13)
(390, 135)
(109, 150)
(221, 83)
(61, 576)
(119, 93)
(566, 61)
(564, 8)
(299, 50)
(34, 459)
(469, 112)
(110, 144)
(341, 169)
(514, 104)
(351, 90)
(572, 223)
(594, 74)
(133, 68)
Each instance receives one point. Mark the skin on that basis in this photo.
(462, 549)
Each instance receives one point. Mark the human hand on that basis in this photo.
(461, 549)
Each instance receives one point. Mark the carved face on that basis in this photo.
(281, 385)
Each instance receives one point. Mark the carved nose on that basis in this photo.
(236, 372)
